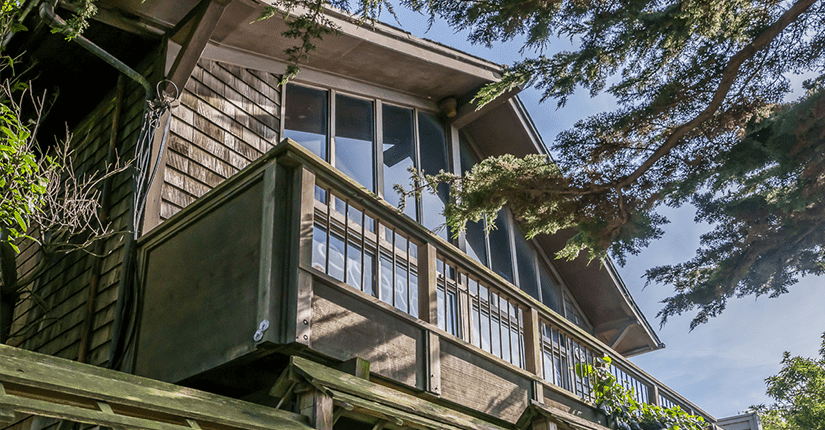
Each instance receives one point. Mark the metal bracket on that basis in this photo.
(262, 327)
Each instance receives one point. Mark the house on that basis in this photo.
(269, 262)
(745, 421)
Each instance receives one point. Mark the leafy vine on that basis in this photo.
(625, 412)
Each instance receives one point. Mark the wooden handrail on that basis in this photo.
(352, 191)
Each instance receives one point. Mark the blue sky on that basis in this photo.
(720, 366)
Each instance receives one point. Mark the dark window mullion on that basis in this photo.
(378, 138)
(419, 214)
(346, 241)
(331, 127)
(363, 247)
(329, 231)
(511, 225)
(394, 262)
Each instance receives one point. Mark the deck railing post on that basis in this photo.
(299, 286)
(428, 311)
(532, 342)
(654, 395)
(428, 290)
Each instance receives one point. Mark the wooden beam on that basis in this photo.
(618, 324)
(53, 387)
(203, 24)
(271, 252)
(356, 366)
(653, 395)
(389, 402)
(543, 423)
(7, 415)
(620, 336)
(299, 287)
(470, 112)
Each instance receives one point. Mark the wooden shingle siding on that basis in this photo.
(227, 118)
(53, 323)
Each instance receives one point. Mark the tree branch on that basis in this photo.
(729, 75)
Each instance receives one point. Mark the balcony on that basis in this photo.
(291, 257)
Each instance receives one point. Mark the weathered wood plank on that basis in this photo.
(349, 384)
(25, 370)
(469, 379)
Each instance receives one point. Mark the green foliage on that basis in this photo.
(84, 10)
(765, 196)
(698, 86)
(772, 420)
(23, 184)
(624, 412)
(799, 393)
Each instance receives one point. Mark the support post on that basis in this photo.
(201, 22)
(317, 406)
(543, 423)
(356, 366)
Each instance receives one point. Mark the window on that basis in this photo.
(353, 246)
(398, 153)
(475, 237)
(571, 312)
(433, 160)
(495, 250)
(305, 119)
(408, 138)
(354, 141)
(477, 313)
(560, 356)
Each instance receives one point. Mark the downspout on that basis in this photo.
(47, 15)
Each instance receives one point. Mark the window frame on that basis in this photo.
(539, 255)
(378, 136)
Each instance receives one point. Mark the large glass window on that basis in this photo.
(500, 255)
(433, 160)
(494, 251)
(398, 153)
(305, 118)
(354, 139)
(550, 293)
(474, 234)
(526, 261)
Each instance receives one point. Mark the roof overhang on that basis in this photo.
(370, 52)
(598, 288)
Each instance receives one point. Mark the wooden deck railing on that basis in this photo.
(365, 243)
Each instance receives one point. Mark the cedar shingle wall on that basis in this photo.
(227, 118)
(50, 319)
